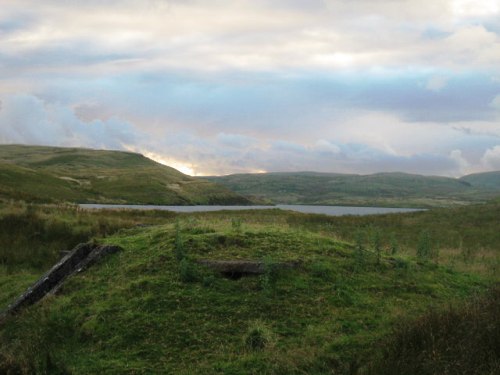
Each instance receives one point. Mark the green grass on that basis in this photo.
(381, 189)
(147, 310)
(51, 174)
(137, 312)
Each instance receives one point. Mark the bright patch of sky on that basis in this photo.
(249, 86)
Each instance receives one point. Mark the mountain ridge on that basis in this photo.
(382, 188)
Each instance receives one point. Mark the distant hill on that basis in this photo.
(384, 189)
(488, 180)
(52, 174)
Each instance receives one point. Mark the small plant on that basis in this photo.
(359, 249)
(236, 224)
(322, 270)
(208, 280)
(179, 250)
(468, 253)
(187, 271)
(344, 294)
(424, 246)
(258, 336)
(394, 245)
(270, 276)
(377, 245)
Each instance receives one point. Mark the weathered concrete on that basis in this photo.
(237, 268)
(78, 259)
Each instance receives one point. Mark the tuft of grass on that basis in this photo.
(258, 336)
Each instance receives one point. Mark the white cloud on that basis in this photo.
(436, 83)
(461, 161)
(495, 103)
(323, 145)
(491, 158)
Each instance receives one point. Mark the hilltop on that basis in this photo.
(380, 189)
(54, 174)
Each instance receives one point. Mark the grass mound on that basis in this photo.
(154, 309)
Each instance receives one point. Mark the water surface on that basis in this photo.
(326, 210)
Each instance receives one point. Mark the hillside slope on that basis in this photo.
(385, 189)
(50, 174)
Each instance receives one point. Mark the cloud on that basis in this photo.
(460, 160)
(235, 86)
(495, 103)
(28, 119)
(491, 158)
(436, 83)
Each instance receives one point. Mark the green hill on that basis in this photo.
(153, 309)
(50, 174)
(488, 180)
(382, 189)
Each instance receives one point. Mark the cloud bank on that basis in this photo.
(243, 86)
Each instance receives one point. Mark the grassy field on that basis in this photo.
(382, 189)
(153, 309)
(51, 174)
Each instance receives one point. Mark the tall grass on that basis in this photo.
(32, 236)
(458, 340)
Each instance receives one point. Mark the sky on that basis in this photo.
(219, 87)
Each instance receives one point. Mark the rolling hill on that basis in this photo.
(487, 180)
(51, 174)
(383, 189)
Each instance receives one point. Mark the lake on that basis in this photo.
(326, 210)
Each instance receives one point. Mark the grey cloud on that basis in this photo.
(27, 119)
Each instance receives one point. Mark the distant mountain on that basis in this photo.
(488, 180)
(385, 189)
(52, 174)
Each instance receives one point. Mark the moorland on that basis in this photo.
(407, 293)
